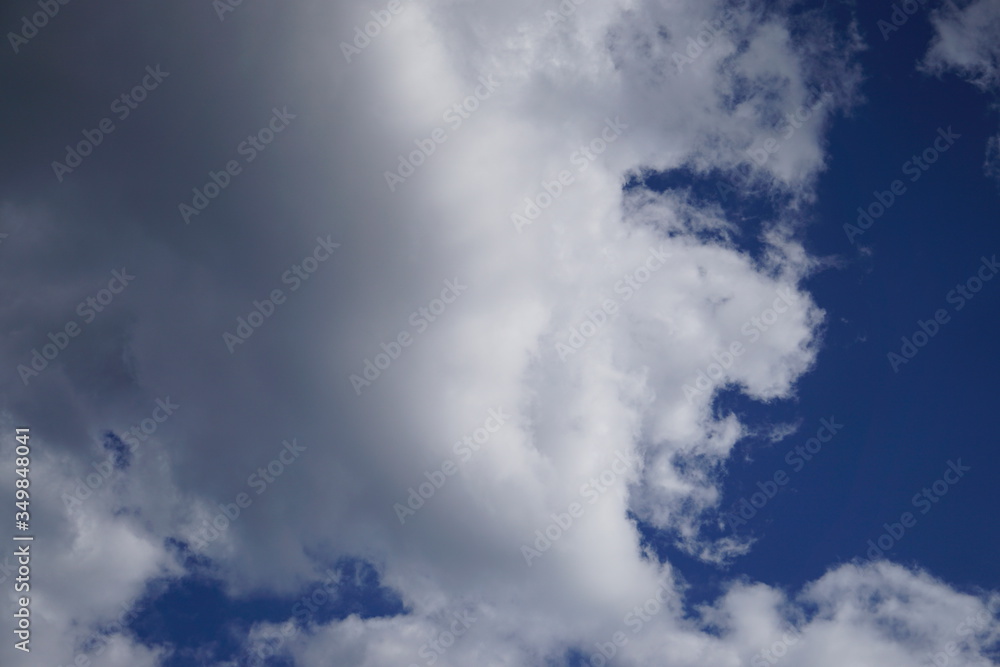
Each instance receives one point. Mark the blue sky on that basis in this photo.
(556, 342)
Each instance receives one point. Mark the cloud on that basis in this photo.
(967, 42)
(89, 565)
(561, 84)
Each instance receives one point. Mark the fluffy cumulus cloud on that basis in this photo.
(95, 565)
(494, 346)
(967, 42)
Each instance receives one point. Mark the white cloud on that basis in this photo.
(967, 42)
(496, 345)
(88, 567)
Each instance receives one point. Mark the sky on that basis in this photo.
(558, 334)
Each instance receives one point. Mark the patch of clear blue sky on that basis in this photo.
(195, 619)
